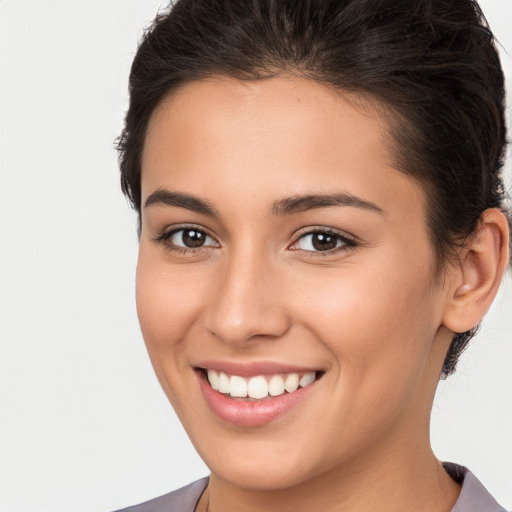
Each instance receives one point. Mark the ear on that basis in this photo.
(476, 278)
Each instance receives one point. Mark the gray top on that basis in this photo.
(473, 497)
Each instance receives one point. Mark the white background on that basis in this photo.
(83, 423)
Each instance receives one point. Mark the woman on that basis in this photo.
(322, 229)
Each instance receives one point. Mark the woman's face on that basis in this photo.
(279, 244)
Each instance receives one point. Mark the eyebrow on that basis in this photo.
(298, 204)
(168, 198)
(286, 206)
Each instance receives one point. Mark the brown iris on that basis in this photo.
(193, 238)
(323, 241)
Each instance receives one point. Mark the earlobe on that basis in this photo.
(476, 279)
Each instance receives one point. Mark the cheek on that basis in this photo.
(378, 328)
(375, 319)
(167, 302)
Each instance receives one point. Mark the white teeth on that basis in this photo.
(223, 383)
(308, 378)
(258, 387)
(237, 387)
(214, 379)
(276, 386)
(291, 383)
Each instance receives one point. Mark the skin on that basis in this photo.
(373, 316)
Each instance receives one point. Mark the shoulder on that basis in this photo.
(473, 497)
(182, 500)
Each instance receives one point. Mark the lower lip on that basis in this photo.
(248, 413)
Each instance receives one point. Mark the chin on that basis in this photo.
(262, 475)
(260, 463)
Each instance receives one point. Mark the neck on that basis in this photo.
(419, 483)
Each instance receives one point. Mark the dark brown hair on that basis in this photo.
(432, 63)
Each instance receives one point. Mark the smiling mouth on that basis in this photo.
(259, 387)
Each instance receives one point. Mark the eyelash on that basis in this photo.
(347, 241)
(165, 237)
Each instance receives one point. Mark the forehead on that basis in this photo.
(269, 106)
(277, 137)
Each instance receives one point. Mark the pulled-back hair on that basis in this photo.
(432, 64)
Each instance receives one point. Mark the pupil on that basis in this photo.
(192, 238)
(323, 241)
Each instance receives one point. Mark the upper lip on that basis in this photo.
(253, 368)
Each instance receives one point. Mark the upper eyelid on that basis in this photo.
(169, 230)
(351, 242)
(174, 231)
(324, 229)
(164, 236)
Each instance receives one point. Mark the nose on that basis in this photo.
(247, 303)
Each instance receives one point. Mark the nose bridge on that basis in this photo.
(246, 302)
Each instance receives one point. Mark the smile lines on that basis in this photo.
(260, 386)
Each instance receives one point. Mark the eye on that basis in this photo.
(322, 241)
(190, 238)
(183, 239)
